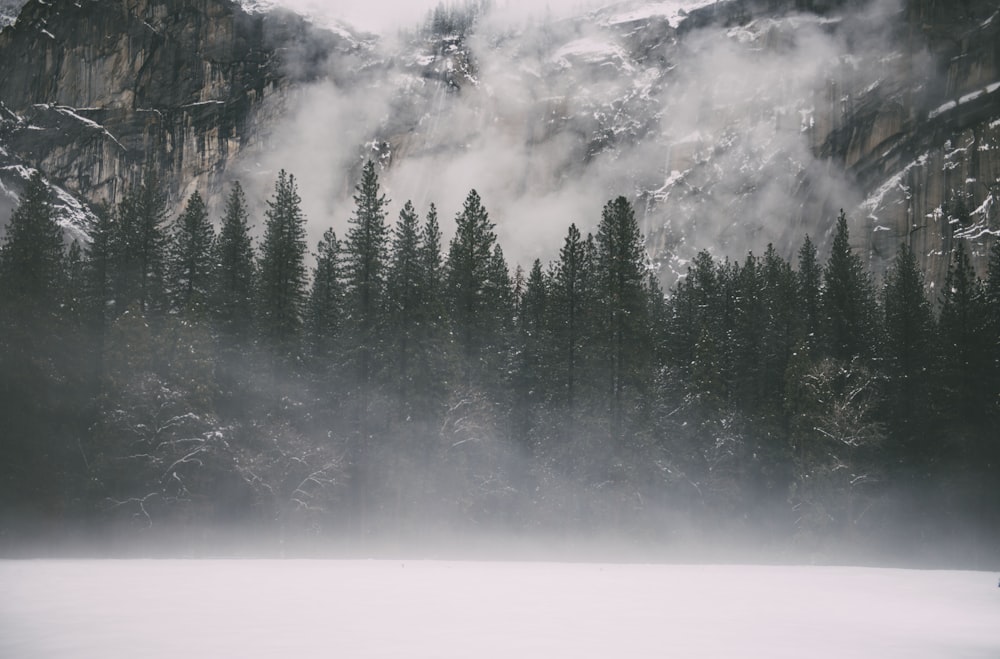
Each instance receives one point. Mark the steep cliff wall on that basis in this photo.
(927, 149)
(102, 87)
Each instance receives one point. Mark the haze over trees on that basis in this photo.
(171, 374)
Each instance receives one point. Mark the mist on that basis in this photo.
(712, 132)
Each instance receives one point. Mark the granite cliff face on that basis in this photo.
(94, 90)
(732, 124)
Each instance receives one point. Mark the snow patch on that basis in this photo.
(674, 12)
(874, 202)
(319, 13)
(71, 113)
(589, 50)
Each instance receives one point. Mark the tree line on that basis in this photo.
(171, 373)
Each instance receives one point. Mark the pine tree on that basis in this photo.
(31, 342)
(993, 326)
(809, 284)
(140, 246)
(909, 354)
(406, 297)
(324, 314)
(191, 261)
(623, 341)
(962, 336)
(467, 278)
(848, 301)
(234, 275)
(431, 333)
(570, 297)
(282, 268)
(780, 307)
(533, 345)
(366, 254)
(31, 256)
(748, 335)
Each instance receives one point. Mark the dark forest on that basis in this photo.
(177, 374)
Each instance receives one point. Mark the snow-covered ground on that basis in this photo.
(249, 608)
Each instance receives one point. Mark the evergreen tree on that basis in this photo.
(140, 246)
(993, 326)
(781, 327)
(570, 298)
(809, 285)
(431, 333)
(234, 274)
(324, 309)
(748, 335)
(533, 344)
(962, 336)
(407, 297)
(909, 332)
(623, 341)
(31, 341)
(848, 301)
(282, 268)
(191, 261)
(467, 278)
(366, 254)
(31, 256)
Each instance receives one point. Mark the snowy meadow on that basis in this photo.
(313, 608)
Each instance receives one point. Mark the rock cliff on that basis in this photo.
(733, 124)
(93, 90)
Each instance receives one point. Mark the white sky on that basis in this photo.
(381, 15)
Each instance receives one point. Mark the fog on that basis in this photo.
(712, 132)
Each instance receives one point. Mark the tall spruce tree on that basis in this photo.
(780, 308)
(848, 301)
(909, 354)
(570, 300)
(31, 288)
(190, 260)
(324, 309)
(431, 332)
(467, 278)
(140, 246)
(993, 327)
(282, 268)
(962, 337)
(809, 286)
(31, 256)
(623, 339)
(234, 282)
(406, 296)
(531, 378)
(366, 255)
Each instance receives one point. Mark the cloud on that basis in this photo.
(714, 137)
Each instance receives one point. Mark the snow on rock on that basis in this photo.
(9, 9)
(320, 13)
(673, 11)
(591, 51)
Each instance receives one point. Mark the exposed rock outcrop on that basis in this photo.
(103, 87)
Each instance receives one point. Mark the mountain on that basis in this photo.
(731, 124)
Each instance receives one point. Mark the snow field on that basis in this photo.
(249, 609)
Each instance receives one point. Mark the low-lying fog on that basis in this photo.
(402, 608)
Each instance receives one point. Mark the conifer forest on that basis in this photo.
(220, 373)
